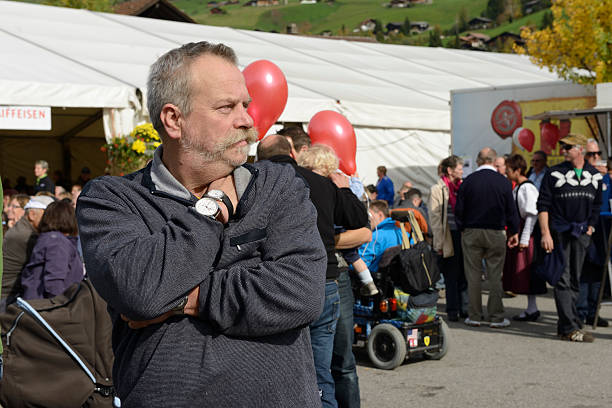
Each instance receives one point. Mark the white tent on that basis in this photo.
(396, 97)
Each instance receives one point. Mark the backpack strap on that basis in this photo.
(405, 240)
(416, 228)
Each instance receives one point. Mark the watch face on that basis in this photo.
(207, 206)
(216, 194)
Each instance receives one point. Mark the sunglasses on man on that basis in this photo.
(594, 153)
(566, 146)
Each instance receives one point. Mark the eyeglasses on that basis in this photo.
(594, 153)
(566, 146)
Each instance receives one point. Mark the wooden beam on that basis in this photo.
(80, 127)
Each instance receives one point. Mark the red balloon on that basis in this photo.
(565, 126)
(334, 130)
(524, 138)
(549, 136)
(267, 87)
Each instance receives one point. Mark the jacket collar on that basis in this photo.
(283, 158)
(158, 179)
(385, 223)
(486, 167)
(164, 181)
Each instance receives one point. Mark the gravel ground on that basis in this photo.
(525, 365)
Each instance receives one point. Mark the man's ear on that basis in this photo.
(172, 119)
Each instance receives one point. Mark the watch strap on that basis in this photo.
(225, 200)
(180, 308)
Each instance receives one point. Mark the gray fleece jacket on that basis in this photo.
(261, 283)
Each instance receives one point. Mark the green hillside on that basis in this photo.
(315, 18)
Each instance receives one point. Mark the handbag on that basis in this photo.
(414, 269)
(58, 351)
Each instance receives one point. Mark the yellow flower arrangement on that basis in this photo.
(132, 152)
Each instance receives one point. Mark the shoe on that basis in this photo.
(463, 315)
(453, 317)
(472, 323)
(578, 336)
(369, 289)
(500, 325)
(509, 294)
(600, 322)
(527, 317)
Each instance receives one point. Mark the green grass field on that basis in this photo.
(315, 18)
(514, 27)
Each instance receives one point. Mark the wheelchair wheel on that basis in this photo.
(444, 337)
(386, 347)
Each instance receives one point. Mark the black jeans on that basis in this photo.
(454, 276)
(568, 287)
(343, 365)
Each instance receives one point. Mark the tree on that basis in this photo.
(547, 20)
(407, 26)
(434, 37)
(94, 5)
(578, 45)
(494, 9)
(463, 20)
(378, 27)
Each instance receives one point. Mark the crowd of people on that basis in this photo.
(518, 227)
(233, 279)
(41, 250)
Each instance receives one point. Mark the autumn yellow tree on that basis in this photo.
(578, 45)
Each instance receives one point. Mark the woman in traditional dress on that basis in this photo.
(519, 269)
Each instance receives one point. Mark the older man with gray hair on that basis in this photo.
(212, 268)
(485, 206)
(17, 247)
(568, 205)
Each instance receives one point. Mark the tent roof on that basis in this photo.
(68, 57)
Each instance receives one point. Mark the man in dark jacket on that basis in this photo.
(43, 181)
(336, 205)
(568, 205)
(212, 269)
(484, 208)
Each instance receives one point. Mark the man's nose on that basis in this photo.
(244, 120)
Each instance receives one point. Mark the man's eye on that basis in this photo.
(226, 108)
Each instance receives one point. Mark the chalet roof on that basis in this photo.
(506, 34)
(480, 20)
(477, 36)
(159, 9)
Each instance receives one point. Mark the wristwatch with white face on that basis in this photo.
(221, 197)
(208, 207)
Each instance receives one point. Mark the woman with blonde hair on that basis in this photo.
(321, 159)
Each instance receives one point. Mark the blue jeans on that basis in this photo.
(343, 366)
(587, 299)
(322, 334)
